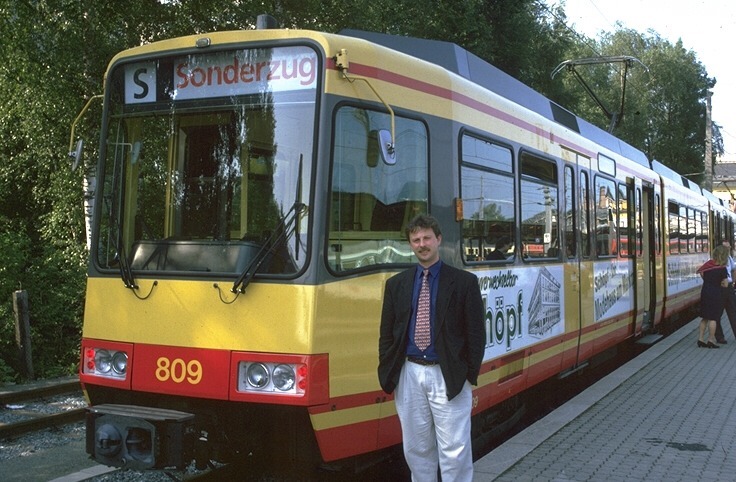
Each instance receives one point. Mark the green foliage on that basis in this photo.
(15, 252)
(664, 102)
(56, 305)
(7, 374)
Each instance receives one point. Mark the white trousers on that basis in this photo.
(435, 431)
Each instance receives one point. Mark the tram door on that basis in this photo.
(578, 284)
(647, 236)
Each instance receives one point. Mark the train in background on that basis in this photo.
(252, 193)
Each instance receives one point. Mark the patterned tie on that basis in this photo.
(421, 330)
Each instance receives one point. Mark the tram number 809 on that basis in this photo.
(178, 371)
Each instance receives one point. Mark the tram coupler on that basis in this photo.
(140, 438)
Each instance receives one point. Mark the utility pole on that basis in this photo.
(708, 180)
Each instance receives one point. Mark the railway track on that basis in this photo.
(38, 406)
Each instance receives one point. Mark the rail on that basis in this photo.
(35, 420)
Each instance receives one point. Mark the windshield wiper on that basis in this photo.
(286, 228)
(126, 272)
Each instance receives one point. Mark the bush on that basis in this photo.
(56, 299)
(15, 255)
(54, 276)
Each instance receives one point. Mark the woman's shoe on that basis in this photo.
(701, 344)
(712, 345)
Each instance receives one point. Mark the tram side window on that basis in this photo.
(605, 217)
(657, 230)
(701, 224)
(683, 229)
(585, 215)
(723, 223)
(570, 219)
(719, 226)
(371, 202)
(487, 190)
(691, 230)
(673, 227)
(629, 229)
(539, 208)
(625, 224)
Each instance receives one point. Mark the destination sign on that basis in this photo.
(225, 74)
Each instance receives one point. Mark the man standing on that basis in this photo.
(430, 353)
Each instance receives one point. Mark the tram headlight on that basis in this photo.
(274, 377)
(103, 361)
(284, 377)
(257, 375)
(120, 362)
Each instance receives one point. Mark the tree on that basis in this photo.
(664, 110)
(57, 57)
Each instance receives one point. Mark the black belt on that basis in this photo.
(422, 361)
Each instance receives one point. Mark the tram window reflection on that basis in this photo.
(540, 229)
(487, 189)
(371, 201)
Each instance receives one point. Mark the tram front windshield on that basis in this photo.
(207, 160)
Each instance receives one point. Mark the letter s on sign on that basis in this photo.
(137, 78)
(140, 82)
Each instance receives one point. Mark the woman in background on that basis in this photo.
(712, 302)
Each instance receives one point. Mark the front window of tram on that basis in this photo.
(205, 184)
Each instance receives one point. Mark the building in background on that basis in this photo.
(724, 180)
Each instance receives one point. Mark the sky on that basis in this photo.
(706, 27)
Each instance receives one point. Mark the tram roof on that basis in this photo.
(471, 67)
(715, 199)
(675, 176)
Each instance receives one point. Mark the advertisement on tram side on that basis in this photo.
(517, 317)
(613, 289)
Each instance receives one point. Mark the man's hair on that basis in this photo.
(422, 221)
(503, 241)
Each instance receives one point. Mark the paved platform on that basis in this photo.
(667, 415)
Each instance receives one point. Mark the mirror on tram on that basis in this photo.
(386, 143)
(76, 154)
(380, 143)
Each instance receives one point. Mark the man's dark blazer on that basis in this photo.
(459, 328)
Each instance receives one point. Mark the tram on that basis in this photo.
(252, 193)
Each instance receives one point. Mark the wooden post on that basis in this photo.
(23, 333)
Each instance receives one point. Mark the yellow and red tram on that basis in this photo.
(253, 188)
